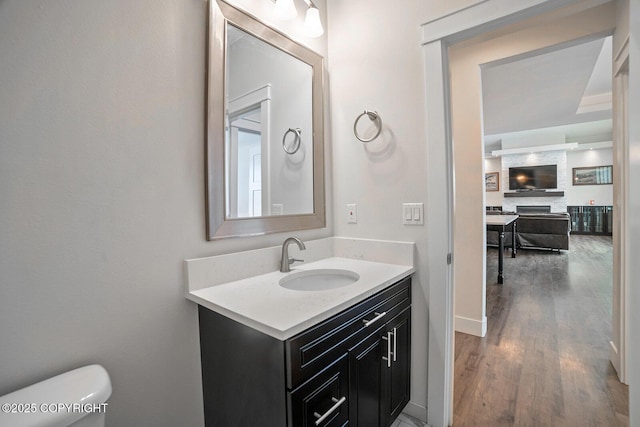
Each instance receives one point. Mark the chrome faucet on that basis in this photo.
(285, 260)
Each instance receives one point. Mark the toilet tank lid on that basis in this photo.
(85, 387)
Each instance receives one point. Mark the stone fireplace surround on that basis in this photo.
(557, 157)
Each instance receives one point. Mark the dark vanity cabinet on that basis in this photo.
(323, 399)
(379, 374)
(352, 369)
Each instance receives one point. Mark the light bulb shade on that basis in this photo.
(285, 10)
(312, 23)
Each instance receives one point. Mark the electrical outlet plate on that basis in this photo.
(352, 213)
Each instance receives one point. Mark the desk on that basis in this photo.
(500, 223)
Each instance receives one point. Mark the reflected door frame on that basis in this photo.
(241, 161)
(258, 98)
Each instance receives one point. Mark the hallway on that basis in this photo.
(544, 360)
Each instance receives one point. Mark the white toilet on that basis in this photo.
(76, 398)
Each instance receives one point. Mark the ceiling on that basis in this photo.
(567, 88)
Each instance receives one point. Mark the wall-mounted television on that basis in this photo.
(533, 177)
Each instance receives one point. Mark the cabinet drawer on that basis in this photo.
(308, 351)
(323, 401)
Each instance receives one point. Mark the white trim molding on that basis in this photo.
(621, 58)
(490, 15)
(536, 149)
(472, 326)
(439, 212)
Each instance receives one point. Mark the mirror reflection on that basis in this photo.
(268, 130)
(265, 129)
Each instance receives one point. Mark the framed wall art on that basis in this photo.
(492, 181)
(593, 175)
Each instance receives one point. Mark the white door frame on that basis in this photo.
(439, 211)
(254, 98)
(621, 249)
(437, 35)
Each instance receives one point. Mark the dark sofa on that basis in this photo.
(539, 230)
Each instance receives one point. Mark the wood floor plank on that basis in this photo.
(544, 361)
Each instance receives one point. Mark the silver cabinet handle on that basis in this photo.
(375, 319)
(389, 353)
(391, 335)
(321, 418)
(395, 340)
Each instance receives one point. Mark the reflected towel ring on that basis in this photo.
(297, 141)
(374, 117)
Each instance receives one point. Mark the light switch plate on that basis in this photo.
(413, 213)
(352, 213)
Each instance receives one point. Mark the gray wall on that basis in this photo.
(102, 189)
(383, 71)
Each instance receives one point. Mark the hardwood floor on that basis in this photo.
(544, 360)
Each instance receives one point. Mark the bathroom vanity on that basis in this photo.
(351, 369)
(345, 362)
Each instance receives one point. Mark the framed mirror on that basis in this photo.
(265, 130)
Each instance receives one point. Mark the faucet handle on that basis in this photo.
(285, 259)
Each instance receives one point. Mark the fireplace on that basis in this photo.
(533, 209)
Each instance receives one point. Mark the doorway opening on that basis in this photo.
(535, 326)
(480, 21)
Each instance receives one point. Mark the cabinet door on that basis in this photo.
(365, 381)
(608, 216)
(379, 374)
(588, 220)
(396, 372)
(576, 218)
(323, 401)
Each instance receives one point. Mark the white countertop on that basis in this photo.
(261, 303)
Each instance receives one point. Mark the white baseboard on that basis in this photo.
(614, 358)
(471, 326)
(416, 411)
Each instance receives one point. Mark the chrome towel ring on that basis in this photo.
(297, 140)
(374, 117)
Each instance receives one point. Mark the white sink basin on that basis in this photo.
(319, 280)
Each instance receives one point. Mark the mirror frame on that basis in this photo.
(218, 226)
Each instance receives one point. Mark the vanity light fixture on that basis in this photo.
(312, 24)
(286, 10)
